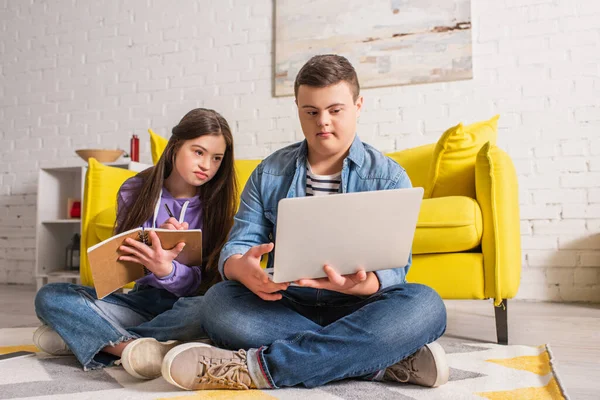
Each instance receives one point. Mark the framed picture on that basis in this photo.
(389, 42)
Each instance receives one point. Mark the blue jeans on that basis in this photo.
(87, 324)
(312, 337)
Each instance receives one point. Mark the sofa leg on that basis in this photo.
(501, 313)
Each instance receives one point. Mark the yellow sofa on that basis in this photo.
(467, 242)
(465, 247)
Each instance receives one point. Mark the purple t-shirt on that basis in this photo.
(184, 280)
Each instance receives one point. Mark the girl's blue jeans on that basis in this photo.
(87, 324)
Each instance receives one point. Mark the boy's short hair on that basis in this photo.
(325, 70)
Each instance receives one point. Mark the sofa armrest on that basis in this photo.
(497, 194)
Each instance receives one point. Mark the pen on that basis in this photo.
(169, 211)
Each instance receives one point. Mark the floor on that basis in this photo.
(572, 330)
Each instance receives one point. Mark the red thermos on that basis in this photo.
(134, 148)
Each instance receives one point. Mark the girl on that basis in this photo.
(195, 181)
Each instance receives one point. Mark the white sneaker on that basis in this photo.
(143, 357)
(198, 366)
(47, 340)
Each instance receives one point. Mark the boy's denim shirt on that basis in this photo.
(283, 175)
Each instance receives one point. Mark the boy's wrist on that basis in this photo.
(229, 269)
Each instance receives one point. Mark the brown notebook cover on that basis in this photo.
(109, 274)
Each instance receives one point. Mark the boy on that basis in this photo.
(365, 325)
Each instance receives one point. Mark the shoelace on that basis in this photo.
(406, 368)
(228, 374)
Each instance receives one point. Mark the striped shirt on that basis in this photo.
(322, 185)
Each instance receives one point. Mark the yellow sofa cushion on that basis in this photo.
(102, 184)
(243, 170)
(452, 275)
(447, 225)
(157, 145)
(452, 170)
(104, 223)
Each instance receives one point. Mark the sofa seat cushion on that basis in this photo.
(447, 225)
(452, 275)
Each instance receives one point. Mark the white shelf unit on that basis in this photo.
(54, 229)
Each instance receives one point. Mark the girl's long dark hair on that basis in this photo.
(218, 195)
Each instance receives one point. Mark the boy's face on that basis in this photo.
(328, 117)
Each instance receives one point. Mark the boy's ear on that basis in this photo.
(358, 104)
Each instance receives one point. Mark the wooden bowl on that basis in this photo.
(99, 154)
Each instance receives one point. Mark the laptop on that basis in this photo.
(373, 230)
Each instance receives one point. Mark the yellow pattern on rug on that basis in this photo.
(224, 395)
(480, 370)
(12, 349)
(549, 392)
(539, 364)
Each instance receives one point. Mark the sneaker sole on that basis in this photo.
(441, 363)
(170, 357)
(130, 348)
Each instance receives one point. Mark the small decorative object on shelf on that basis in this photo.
(102, 155)
(73, 208)
(134, 150)
(73, 253)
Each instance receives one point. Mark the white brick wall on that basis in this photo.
(79, 74)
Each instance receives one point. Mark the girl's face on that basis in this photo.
(198, 160)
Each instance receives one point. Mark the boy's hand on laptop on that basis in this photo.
(246, 270)
(174, 225)
(360, 283)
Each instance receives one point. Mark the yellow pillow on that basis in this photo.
(243, 170)
(102, 184)
(157, 145)
(452, 171)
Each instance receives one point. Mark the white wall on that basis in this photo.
(78, 74)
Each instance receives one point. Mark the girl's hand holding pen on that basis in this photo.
(172, 223)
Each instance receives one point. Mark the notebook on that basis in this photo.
(110, 274)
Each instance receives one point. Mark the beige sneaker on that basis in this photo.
(47, 340)
(427, 367)
(198, 366)
(143, 357)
